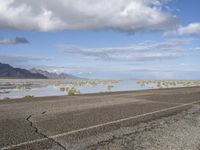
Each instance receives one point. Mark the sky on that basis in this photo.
(115, 39)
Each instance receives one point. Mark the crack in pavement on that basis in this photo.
(45, 136)
(116, 137)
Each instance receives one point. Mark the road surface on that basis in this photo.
(75, 122)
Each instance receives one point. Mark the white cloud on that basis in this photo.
(61, 69)
(191, 29)
(122, 15)
(146, 51)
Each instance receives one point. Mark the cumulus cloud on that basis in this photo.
(10, 41)
(191, 29)
(122, 15)
(145, 51)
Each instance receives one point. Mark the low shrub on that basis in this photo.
(72, 91)
(29, 96)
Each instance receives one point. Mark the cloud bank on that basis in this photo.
(10, 41)
(121, 15)
(16, 60)
(146, 51)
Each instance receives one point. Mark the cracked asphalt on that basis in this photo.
(180, 131)
(76, 122)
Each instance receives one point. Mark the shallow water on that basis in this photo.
(11, 90)
(40, 88)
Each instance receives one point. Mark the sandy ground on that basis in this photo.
(178, 132)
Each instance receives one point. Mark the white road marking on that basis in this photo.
(96, 126)
(158, 102)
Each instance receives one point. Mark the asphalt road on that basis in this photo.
(63, 122)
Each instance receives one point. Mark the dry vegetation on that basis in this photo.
(168, 83)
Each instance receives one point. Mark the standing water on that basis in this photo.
(39, 88)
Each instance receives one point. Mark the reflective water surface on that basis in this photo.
(15, 88)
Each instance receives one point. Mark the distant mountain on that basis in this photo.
(9, 72)
(51, 75)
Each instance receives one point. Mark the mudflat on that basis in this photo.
(84, 121)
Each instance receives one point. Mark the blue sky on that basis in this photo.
(140, 39)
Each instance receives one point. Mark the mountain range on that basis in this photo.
(51, 75)
(9, 72)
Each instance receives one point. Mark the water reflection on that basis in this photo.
(29, 88)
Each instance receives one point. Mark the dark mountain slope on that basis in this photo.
(9, 72)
